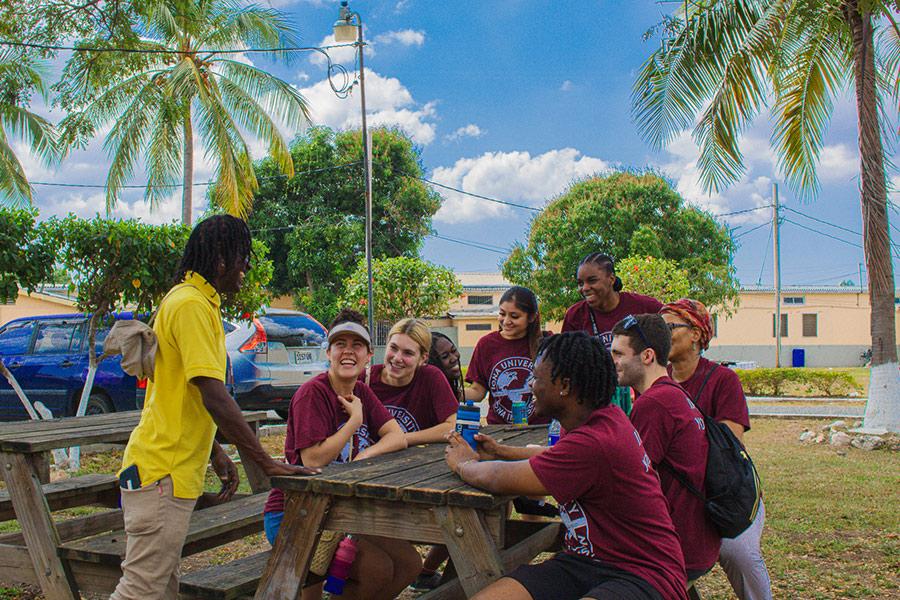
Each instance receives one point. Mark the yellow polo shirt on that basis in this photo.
(175, 434)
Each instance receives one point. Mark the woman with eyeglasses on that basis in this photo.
(604, 304)
(718, 392)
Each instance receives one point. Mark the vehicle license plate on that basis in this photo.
(303, 357)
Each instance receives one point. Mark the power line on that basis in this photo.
(178, 185)
(751, 230)
(765, 254)
(822, 221)
(489, 199)
(469, 243)
(167, 51)
(824, 279)
(828, 235)
(741, 212)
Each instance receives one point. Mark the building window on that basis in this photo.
(793, 300)
(784, 325)
(810, 325)
(478, 326)
(489, 300)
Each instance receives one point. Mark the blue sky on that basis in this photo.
(514, 100)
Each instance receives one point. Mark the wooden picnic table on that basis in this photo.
(409, 495)
(23, 456)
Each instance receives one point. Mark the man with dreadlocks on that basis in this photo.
(620, 541)
(164, 464)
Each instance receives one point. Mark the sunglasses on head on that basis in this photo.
(631, 322)
(674, 326)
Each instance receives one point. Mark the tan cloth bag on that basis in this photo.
(136, 342)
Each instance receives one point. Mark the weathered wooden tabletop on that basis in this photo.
(38, 436)
(417, 474)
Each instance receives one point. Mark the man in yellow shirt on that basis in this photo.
(164, 464)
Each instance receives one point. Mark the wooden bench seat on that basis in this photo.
(83, 490)
(209, 528)
(229, 581)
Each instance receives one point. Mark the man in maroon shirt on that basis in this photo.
(672, 430)
(620, 542)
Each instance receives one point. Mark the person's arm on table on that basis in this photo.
(437, 433)
(494, 476)
(391, 439)
(328, 449)
(491, 449)
(228, 417)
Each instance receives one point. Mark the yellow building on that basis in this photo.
(830, 324)
(50, 300)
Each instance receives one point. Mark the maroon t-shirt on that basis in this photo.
(578, 316)
(673, 430)
(424, 402)
(503, 367)
(723, 396)
(610, 501)
(315, 414)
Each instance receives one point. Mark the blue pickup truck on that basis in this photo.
(48, 357)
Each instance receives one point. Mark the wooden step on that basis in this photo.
(209, 528)
(226, 581)
(95, 488)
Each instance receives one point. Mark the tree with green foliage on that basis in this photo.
(656, 277)
(722, 63)
(19, 74)
(622, 214)
(154, 101)
(315, 221)
(402, 287)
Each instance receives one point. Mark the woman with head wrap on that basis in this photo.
(718, 392)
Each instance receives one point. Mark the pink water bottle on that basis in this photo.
(340, 566)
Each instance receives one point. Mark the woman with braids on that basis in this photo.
(503, 360)
(604, 304)
(415, 393)
(619, 541)
(445, 356)
(335, 418)
(718, 392)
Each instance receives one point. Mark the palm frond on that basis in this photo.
(35, 130)
(14, 186)
(815, 70)
(164, 151)
(278, 97)
(250, 24)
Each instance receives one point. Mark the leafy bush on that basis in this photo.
(777, 382)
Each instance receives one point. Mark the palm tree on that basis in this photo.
(19, 75)
(157, 100)
(722, 62)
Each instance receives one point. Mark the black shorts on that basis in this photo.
(569, 577)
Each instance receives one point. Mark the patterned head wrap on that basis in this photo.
(694, 313)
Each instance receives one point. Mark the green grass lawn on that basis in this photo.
(832, 519)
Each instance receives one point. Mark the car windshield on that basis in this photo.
(292, 330)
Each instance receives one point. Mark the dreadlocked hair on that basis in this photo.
(585, 362)
(348, 315)
(527, 302)
(456, 383)
(215, 241)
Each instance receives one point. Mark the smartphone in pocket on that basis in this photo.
(129, 478)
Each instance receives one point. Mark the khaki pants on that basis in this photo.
(156, 524)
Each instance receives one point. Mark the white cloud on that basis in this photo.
(401, 5)
(388, 102)
(838, 163)
(470, 130)
(753, 190)
(566, 86)
(511, 176)
(301, 76)
(404, 37)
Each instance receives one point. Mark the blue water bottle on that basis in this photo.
(553, 432)
(468, 422)
(520, 412)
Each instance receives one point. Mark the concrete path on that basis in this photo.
(809, 411)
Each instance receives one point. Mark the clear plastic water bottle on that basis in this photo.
(340, 566)
(553, 431)
(468, 422)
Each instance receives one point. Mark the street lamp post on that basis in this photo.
(349, 28)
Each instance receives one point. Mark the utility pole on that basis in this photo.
(859, 265)
(777, 248)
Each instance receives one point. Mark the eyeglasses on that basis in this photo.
(630, 322)
(674, 326)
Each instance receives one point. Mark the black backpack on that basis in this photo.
(733, 492)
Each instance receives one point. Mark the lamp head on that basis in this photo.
(344, 29)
